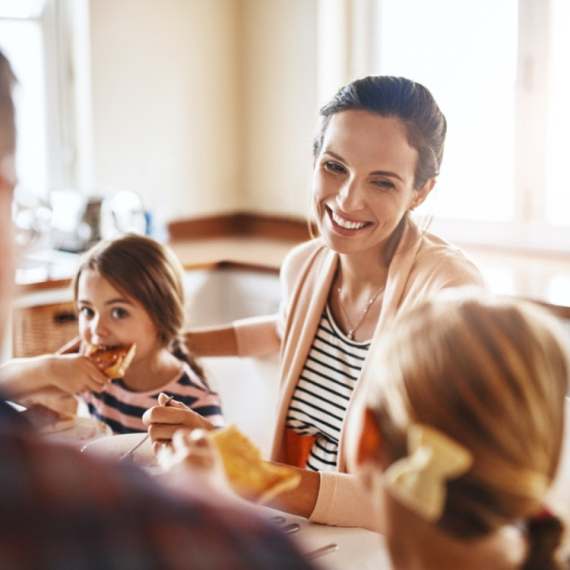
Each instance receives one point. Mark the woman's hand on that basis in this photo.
(163, 421)
(74, 373)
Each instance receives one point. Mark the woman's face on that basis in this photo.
(363, 181)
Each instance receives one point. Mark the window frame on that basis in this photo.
(528, 230)
(61, 26)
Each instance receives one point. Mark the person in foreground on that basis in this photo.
(376, 159)
(128, 290)
(460, 442)
(64, 509)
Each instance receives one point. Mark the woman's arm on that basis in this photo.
(300, 501)
(343, 500)
(194, 449)
(336, 499)
(212, 341)
(329, 498)
(255, 336)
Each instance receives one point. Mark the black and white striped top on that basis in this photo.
(319, 403)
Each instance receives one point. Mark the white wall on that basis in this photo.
(248, 387)
(164, 74)
(205, 106)
(280, 103)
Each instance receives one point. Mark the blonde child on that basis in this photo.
(126, 290)
(461, 435)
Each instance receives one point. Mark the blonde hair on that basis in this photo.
(492, 375)
(150, 273)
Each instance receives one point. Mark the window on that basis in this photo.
(557, 180)
(500, 72)
(46, 42)
(22, 40)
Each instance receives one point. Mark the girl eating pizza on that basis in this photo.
(129, 295)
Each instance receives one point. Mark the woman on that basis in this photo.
(376, 158)
(461, 440)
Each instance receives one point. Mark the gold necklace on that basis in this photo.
(353, 328)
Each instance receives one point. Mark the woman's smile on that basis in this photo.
(344, 225)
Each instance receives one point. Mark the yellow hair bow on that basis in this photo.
(418, 480)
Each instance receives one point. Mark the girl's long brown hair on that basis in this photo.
(150, 273)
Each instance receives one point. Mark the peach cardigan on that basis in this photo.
(423, 265)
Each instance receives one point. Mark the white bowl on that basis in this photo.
(115, 446)
(78, 432)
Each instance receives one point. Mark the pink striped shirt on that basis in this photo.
(122, 409)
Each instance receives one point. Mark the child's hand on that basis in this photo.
(74, 373)
(163, 421)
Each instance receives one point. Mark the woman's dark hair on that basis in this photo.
(398, 98)
(150, 273)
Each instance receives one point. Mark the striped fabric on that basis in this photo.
(122, 409)
(319, 403)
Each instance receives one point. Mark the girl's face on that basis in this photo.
(109, 318)
(363, 181)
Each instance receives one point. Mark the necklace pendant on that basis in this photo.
(350, 334)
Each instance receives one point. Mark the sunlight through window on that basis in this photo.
(468, 60)
(557, 179)
(22, 42)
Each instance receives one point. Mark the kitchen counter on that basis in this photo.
(261, 253)
(544, 279)
(50, 270)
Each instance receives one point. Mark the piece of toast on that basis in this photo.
(113, 361)
(249, 474)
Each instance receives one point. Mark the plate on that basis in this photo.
(79, 431)
(115, 446)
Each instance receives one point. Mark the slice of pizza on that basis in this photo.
(249, 474)
(113, 361)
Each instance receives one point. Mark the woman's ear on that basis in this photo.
(422, 194)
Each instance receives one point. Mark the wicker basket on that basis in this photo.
(43, 329)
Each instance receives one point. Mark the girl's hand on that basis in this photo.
(163, 421)
(74, 373)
